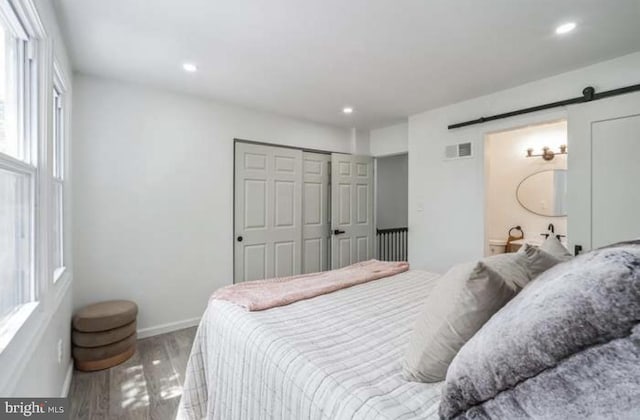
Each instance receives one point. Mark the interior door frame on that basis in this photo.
(233, 190)
(375, 196)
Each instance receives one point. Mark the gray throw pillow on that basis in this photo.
(462, 301)
(590, 300)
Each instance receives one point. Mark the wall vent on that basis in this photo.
(458, 151)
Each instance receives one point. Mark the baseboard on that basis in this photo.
(67, 380)
(168, 327)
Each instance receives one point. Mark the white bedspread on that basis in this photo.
(336, 356)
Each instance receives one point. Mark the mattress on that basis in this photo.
(336, 356)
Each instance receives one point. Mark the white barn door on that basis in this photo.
(604, 168)
(351, 209)
(316, 212)
(268, 216)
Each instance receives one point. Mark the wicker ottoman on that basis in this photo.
(104, 334)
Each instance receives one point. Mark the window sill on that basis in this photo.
(14, 322)
(58, 273)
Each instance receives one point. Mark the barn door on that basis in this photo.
(603, 199)
(268, 216)
(352, 238)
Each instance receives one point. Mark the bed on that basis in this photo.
(336, 356)
(564, 343)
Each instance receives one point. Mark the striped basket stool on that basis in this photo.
(104, 334)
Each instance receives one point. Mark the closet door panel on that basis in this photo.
(315, 208)
(268, 216)
(352, 209)
(313, 255)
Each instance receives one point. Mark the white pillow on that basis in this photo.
(554, 247)
(539, 260)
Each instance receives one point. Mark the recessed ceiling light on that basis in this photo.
(347, 110)
(190, 67)
(565, 28)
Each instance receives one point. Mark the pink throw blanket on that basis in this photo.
(264, 294)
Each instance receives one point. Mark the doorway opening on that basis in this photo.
(525, 186)
(392, 207)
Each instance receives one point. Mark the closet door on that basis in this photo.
(316, 212)
(268, 217)
(604, 151)
(352, 237)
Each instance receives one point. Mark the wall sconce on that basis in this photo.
(547, 153)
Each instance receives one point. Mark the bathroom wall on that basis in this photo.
(506, 166)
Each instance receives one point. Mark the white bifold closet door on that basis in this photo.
(351, 209)
(289, 219)
(604, 170)
(316, 212)
(268, 214)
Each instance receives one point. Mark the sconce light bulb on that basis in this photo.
(548, 154)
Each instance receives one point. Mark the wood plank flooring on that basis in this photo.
(147, 386)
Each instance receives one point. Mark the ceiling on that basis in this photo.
(310, 58)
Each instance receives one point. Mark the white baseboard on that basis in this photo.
(168, 327)
(66, 385)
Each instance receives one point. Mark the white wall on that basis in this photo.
(43, 376)
(153, 202)
(506, 165)
(29, 365)
(359, 142)
(392, 189)
(446, 198)
(390, 140)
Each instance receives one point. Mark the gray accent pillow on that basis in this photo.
(585, 302)
(462, 301)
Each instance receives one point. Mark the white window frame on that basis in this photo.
(58, 166)
(29, 162)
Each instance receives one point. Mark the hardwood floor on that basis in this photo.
(147, 386)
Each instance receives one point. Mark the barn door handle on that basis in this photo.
(338, 232)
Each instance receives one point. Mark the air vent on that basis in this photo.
(458, 151)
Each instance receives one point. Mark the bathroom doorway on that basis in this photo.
(525, 186)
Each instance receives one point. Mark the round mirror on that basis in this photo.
(544, 193)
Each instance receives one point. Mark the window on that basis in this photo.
(18, 171)
(57, 191)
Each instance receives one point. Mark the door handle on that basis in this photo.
(240, 238)
(338, 232)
